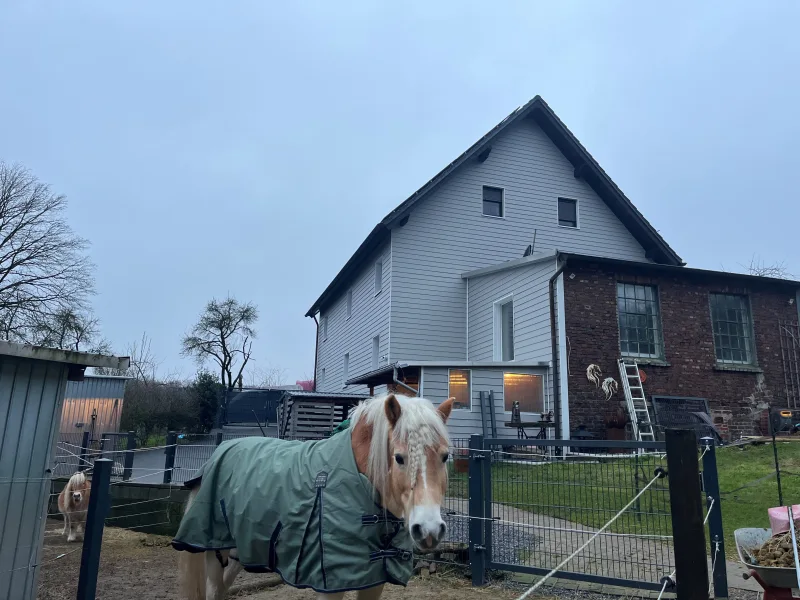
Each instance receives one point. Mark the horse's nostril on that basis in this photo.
(442, 531)
(416, 531)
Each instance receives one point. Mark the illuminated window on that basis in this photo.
(524, 388)
(460, 389)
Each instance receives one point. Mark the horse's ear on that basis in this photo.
(445, 408)
(392, 408)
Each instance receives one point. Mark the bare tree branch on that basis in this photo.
(777, 270)
(224, 335)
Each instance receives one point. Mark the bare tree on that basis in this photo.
(777, 270)
(144, 364)
(44, 269)
(224, 334)
(269, 377)
(69, 329)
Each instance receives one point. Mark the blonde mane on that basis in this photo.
(419, 426)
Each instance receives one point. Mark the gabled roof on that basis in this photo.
(586, 167)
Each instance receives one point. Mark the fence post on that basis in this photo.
(128, 468)
(715, 537)
(219, 438)
(477, 550)
(99, 503)
(83, 463)
(688, 537)
(169, 451)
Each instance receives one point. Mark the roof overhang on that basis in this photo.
(386, 375)
(517, 263)
(567, 258)
(83, 359)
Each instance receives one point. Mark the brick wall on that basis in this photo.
(736, 399)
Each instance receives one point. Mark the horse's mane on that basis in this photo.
(419, 426)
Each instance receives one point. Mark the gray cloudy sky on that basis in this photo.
(249, 147)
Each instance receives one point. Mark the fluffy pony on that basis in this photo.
(73, 503)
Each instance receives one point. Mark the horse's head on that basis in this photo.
(77, 496)
(408, 448)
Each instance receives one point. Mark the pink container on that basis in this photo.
(779, 518)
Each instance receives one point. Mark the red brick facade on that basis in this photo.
(736, 399)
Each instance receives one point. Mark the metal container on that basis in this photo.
(749, 538)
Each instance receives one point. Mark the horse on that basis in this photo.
(73, 503)
(334, 515)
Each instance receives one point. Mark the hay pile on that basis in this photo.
(776, 551)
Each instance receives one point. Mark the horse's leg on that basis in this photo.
(372, 593)
(232, 570)
(338, 596)
(214, 577)
(66, 523)
(71, 534)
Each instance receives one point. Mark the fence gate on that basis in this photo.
(530, 508)
(790, 357)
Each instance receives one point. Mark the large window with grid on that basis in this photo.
(733, 333)
(639, 321)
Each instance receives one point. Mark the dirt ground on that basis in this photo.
(136, 566)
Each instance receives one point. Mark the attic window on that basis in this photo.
(567, 212)
(493, 202)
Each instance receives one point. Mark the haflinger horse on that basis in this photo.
(73, 503)
(334, 515)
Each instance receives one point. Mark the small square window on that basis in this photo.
(527, 389)
(459, 388)
(378, 276)
(567, 212)
(493, 202)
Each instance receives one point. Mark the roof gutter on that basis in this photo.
(554, 349)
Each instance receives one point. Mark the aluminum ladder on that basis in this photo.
(637, 402)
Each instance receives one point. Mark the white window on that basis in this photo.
(504, 329)
(345, 368)
(493, 205)
(378, 276)
(322, 378)
(525, 388)
(460, 388)
(568, 212)
(324, 328)
(349, 303)
(376, 351)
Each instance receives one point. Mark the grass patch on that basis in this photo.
(590, 493)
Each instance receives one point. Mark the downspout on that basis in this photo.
(316, 351)
(554, 351)
(398, 382)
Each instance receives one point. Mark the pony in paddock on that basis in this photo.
(333, 515)
(73, 503)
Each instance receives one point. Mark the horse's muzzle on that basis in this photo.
(427, 534)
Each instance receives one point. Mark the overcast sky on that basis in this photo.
(249, 147)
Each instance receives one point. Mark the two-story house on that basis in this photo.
(464, 288)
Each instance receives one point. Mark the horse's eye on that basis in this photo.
(445, 457)
(399, 459)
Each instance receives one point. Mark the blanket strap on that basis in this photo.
(376, 519)
(390, 553)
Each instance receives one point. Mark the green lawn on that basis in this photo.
(591, 493)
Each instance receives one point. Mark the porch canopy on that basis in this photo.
(401, 378)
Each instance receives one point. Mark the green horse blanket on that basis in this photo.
(299, 509)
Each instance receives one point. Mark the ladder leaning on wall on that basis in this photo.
(641, 424)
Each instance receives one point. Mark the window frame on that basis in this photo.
(752, 361)
(349, 304)
(469, 387)
(502, 191)
(544, 395)
(376, 351)
(497, 328)
(378, 266)
(659, 344)
(345, 368)
(577, 212)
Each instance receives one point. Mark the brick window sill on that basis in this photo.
(654, 362)
(738, 368)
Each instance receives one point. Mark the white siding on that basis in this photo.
(447, 235)
(369, 318)
(464, 423)
(529, 287)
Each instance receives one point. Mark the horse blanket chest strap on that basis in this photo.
(299, 509)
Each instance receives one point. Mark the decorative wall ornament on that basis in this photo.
(594, 374)
(610, 387)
